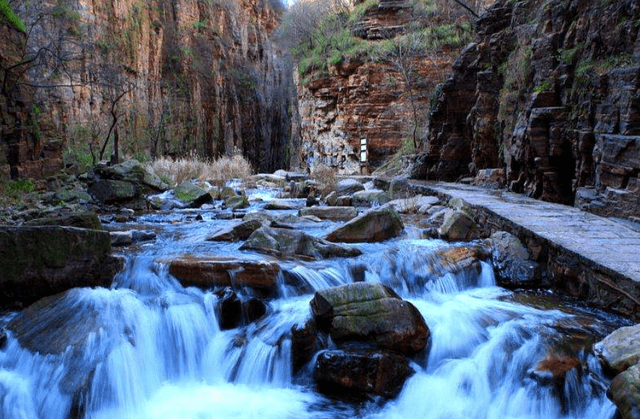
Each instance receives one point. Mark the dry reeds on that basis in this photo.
(218, 172)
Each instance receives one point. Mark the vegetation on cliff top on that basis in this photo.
(6, 13)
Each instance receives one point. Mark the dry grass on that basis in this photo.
(218, 172)
(326, 177)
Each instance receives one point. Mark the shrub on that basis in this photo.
(8, 14)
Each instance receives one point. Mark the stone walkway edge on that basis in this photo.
(590, 257)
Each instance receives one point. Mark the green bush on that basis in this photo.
(11, 17)
(22, 185)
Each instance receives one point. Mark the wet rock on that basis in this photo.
(553, 369)
(229, 309)
(295, 243)
(143, 235)
(208, 273)
(371, 313)
(192, 196)
(458, 226)
(330, 213)
(376, 372)
(375, 225)
(344, 201)
(236, 202)
(253, 309)
(262, 216)
(348, 187)
(624, 391)
(125, 215)
(311, 201)
(3, 338)
(84, 219)
(305, 342)
(282, 204)
(237, 232)
(512, 262)
(225, 193)
(370, 198)
(43, 260)
(121, 238)
(621, 349)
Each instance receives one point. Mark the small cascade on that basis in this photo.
(150, 348)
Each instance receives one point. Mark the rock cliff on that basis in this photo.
(549, 91)
(163, 77)
(382, 93)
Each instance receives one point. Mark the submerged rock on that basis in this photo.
(294, 243)
(375, 372)
(375, 225)
(371, 313)
(39, 261)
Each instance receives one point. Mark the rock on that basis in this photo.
(304, 344)
(348, 187)
(624, 391)
(375, 225)
(371, 313)
(331, 199)
(125, 215)
(253, 309)
(264, 217)
(294, 243)
(109, 191)
(330, 213)
(237, 232)
(512, 262)
(225, 193)
(282, 204)
(121, 238)
(192, 196)
(85, 219)
(458, 226)
(38, 261)
(490, 178)
(236, 202)
(311, 201)
(375, 372)
(370, 198)
(143, 235)
(72, 196)
(344, 201)
(553, 369)
(208, 273)
(229, 309)
(3, 338)
(417, 204)
(621, 349)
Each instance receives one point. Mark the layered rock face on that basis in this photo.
(549, 90)
(183, 76)
(369, 99)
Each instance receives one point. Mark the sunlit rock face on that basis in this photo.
(202, 76)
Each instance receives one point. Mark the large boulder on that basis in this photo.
(241, 231)
(621, 349)
(369, 198)
(39, 261)
(236, 202)
(458, 226)
(82, 219)
(282, 204)
(416, 204)
(374, 372)
(375, 225)
(192, 196)
(294, 243)
(330, 213)
(370, 313)
(209, 273)
(512, 262)
(126, 183)
(624, 391)
(348, 187)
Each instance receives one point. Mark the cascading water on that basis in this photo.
(150, 348)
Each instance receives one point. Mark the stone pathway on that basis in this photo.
(606, 243)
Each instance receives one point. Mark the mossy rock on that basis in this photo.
(236, 202)
(375, 225)
(192, 195)
(85, 219)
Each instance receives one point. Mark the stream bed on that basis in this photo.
(149, 348)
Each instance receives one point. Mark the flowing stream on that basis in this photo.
(148, 348)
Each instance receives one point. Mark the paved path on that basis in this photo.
(608, 243)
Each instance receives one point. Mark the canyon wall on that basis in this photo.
(382, 95)
(549, 90)
(176, 77)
